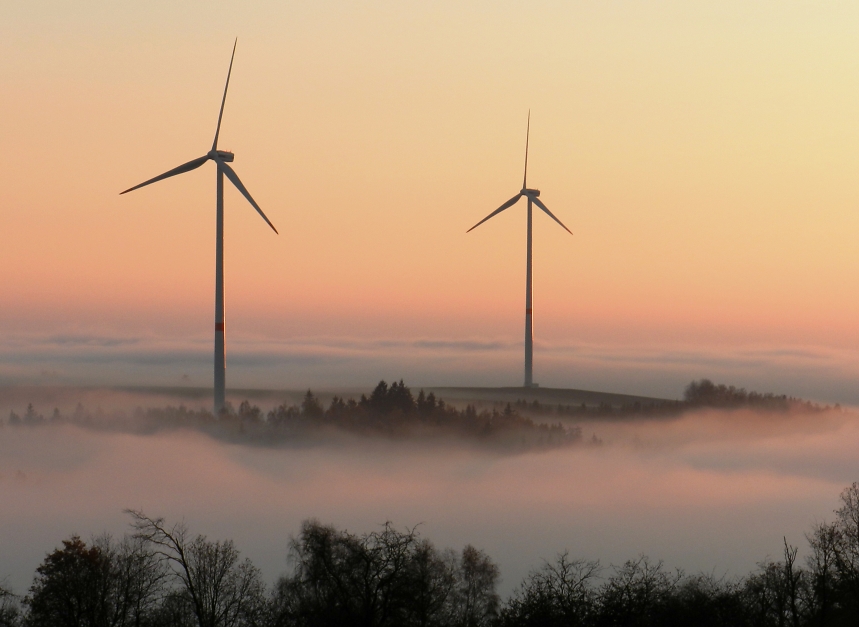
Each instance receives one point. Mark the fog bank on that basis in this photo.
(712, 491)
(821, 373)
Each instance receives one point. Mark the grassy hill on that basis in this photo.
(546, 396)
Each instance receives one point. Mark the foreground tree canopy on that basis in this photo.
(161, 574)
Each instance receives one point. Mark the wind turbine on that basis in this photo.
(221, 159)
(533, 199)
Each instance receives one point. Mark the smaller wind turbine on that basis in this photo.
(221, 159)
(532, 196)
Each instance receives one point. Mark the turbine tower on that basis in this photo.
(221, 159)
(533, 199)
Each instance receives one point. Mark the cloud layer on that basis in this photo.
(711, 491)
(819, 373)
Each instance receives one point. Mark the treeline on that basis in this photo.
(390, 410)
(697, 395)
(705, 393)
(162, 575)
(656, 408)
(393, 411)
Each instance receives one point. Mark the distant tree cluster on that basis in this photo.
(705, 393)
(162, 575)
(393, 410)
(390, 410)
(698, 394)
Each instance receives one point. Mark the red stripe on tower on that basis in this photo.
(219, 326)
(529, 311)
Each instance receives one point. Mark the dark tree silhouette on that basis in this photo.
(103, 584)
(559, 594)
(311, 407)
(10, 611)
(218, 588)
(847, 554)
(477, 600)
(637, 593)
(382, 578)
(822, 564)
(705, 393)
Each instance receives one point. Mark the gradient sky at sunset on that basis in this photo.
(704, 154)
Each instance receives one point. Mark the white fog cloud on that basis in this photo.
(819, 373)
(711, 491)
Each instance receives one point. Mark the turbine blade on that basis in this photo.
(527, 138)
(234, 178)
(185, 167)
(224, 100)
(540, 204)
(507, 204)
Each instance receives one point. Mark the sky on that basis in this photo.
(703, 154)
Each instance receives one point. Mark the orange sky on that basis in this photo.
(703, 155)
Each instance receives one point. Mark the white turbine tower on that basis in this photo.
(532, 196)
(221, 158)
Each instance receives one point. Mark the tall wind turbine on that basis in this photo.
(221, 159)
(533, 199)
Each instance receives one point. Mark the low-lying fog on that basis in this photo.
(712, 491)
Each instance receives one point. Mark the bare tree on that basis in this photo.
(387, 577)
(222, 591)
(340, 578)
(704, 600)
(560, 593)
(778, 593)
(824, 541)
(637, 591)
(477, 599)
(10, 611)
(847, 551)
(794, 583)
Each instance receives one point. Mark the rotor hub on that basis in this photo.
(223, 155)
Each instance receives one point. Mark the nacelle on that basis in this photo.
(531, 192)
(223, 155)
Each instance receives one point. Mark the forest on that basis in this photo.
(389, 411)
(393, 411)
(162, 574)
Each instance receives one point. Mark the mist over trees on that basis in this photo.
(162, 574)
(697, 395)
(393, 411)
(389, 411)
(705, 393)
